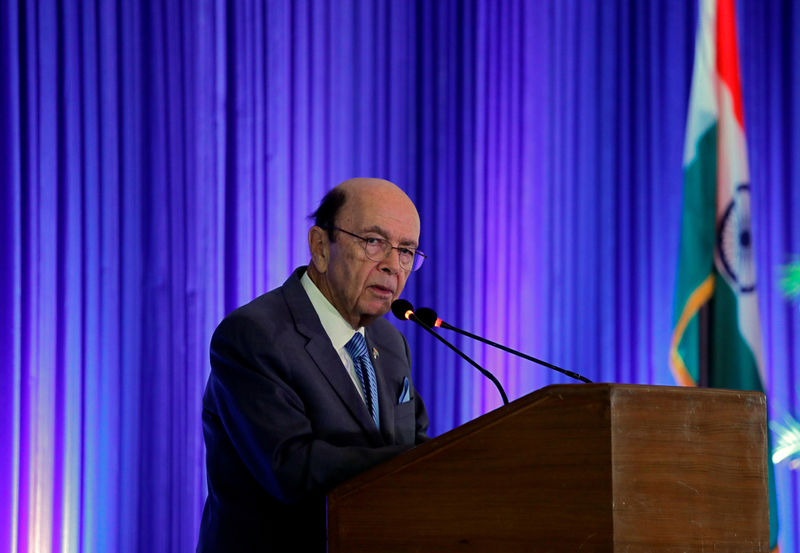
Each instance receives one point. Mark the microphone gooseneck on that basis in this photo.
(402, 309)
(430, 318)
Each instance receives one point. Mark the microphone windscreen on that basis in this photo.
(401, 307)
(426, 315)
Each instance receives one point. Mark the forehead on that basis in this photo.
(388, 210)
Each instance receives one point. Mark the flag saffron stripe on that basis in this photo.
(728, 56)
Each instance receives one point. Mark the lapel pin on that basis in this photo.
(375, 353)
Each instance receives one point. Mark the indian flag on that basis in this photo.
(716, 303)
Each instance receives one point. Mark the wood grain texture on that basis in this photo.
(594, 468)
(689, 470)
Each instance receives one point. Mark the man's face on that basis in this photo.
(362, 289)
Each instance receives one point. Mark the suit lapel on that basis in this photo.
(326, 359)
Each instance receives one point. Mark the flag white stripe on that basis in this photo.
(702, 100)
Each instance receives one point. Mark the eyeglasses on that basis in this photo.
(377, 249)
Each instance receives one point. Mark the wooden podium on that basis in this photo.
(574, 468)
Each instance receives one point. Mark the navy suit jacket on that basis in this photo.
(283, 422)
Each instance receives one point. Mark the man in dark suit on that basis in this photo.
(309, 384)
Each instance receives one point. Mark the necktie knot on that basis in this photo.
(357, 346)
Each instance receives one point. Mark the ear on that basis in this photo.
(319, 246)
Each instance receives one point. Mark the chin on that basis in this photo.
(376, 310)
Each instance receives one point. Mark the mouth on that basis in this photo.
(382, 291)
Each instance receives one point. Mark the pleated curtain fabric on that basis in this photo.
(159, 159)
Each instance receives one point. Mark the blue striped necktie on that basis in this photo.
(357, 348)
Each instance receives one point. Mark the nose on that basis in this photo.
(391, 263)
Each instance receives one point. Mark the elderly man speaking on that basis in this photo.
(309, 384)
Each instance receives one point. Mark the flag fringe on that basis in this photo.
(696, 300)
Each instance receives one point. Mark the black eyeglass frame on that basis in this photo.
(417, 254)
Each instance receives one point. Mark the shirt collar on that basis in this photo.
(338, 330)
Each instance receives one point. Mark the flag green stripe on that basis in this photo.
(696, 258)
(733, 364)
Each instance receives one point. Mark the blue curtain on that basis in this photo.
(158, 160)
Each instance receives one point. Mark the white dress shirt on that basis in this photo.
(338, 330)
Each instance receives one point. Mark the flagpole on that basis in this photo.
(704, 346)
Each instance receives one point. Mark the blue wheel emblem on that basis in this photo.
(735, 241)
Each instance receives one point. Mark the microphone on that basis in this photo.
(402, 309)
(429, 317)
